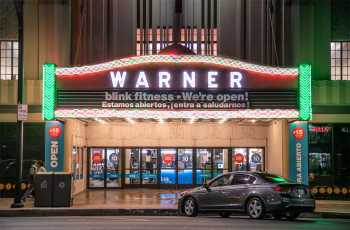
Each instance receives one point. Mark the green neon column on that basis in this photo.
(49, 91)
(305, 98)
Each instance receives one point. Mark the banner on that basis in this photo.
(54, 146)
(298, 152)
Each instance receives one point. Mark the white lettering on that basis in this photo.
(53, 154)
(142, 80)
(235, 79)
(212, 79)
(230, 80)
(164, 78)
(189, 80)
(118, 79)
(298, 162)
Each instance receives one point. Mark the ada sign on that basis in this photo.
(298, 152)
(54, 146)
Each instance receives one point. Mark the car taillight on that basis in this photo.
(277, 189)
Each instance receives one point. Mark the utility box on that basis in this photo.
(62, 190)
(43, 189)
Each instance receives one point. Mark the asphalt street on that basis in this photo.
(166, 223)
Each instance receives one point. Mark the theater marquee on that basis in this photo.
(182, 86)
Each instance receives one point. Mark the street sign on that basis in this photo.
(22, 112)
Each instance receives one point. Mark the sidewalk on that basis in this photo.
(141, 202)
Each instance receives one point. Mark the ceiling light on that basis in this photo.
(100, 120)
(131, 121)
(223, 120)
(192, 120)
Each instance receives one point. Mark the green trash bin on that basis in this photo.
(43, 189)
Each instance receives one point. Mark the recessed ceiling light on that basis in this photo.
(130, 120)
(100, 120)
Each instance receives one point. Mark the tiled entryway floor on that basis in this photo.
(127, 198)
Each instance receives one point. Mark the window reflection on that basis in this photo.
(168, 170)
(204, 165)
(149, 166)
(239, 159)
(185, 166)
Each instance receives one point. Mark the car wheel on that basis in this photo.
(225, 214)
(255, 208)
(190, 207)
(292, 215)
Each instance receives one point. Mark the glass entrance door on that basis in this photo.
(168, 166)
(141, 166)
(104, 168)
(97, 168)
(248, 159)
(149, 166)
(132, 166)
(113, 168)
(185, 166)
(204, 165)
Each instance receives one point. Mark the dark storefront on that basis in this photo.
(33, 150)
(329, 154)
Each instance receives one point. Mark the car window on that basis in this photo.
(221, 181)
(242, 179)
(272, 178)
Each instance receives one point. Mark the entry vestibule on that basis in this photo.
(167, 167)
(175, 153)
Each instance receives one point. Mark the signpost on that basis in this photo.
(17, 203)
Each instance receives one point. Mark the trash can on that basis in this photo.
(62, 190)
(43, 189)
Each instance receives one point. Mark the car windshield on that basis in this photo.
(273, 178)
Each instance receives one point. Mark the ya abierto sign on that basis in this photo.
(298, 152)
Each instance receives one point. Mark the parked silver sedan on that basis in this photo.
(254, 193)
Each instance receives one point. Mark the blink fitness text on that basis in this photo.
(180, 100)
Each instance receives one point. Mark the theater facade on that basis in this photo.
(170, 121)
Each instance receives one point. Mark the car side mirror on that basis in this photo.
(206, 186)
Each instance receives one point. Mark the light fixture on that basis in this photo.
(253, 120)
(130, 61)
(192, 120)
(305, 95)
(49, 92)
(100, 120)
(130, 120)
(188, 114)
(223, 120)
(161, 121)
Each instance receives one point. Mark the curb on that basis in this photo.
(40, 212)
(37, 212)
(335, 215)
